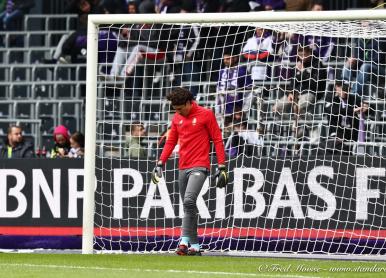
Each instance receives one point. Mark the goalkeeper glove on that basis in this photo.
(156, 175)
(222, 176)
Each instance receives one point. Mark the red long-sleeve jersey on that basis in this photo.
(194, 133)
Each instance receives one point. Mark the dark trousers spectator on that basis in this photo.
(11, 21)
(12, 17)
(13, 13)
(366, 74)
(75, 46)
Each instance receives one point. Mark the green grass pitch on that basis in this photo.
(110, 266)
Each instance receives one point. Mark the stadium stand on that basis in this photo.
(34, 93)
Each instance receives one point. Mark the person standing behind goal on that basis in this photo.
(194, 126)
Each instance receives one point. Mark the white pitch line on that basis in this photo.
(156, 270)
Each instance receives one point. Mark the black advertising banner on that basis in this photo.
(41, 192)
(341, 193)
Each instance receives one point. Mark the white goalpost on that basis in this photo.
(300, 98)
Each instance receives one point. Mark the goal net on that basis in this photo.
(301, 106)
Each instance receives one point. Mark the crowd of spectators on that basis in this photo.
(345, 114)
(122, 48)
(66, 145)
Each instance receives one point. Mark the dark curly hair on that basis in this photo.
(79, 138)
(179, 96)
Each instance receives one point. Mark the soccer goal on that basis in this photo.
(300, 98)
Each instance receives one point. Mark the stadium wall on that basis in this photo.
(333, 198)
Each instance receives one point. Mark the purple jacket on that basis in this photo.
(232, 79)
(275, 4)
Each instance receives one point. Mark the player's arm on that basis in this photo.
(215, 134)
(171, 142)
(216, 137)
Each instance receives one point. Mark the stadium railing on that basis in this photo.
(27, 55)
(38, 72)
(50, 22)
(34, 38)
(51, 89)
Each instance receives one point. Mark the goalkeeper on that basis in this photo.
(193, 126)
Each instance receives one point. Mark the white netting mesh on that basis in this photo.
(301, 107)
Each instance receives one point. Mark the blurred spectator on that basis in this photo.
(78, 6)
(83, 7)
(123, 52)
(345, 119)
(298, 5)
(236, 6)
(15, 146)
(185, 67)
(107, 47)
(235, 144)
(114, 6)
(208, 6)
(272, 5)
(168, 6)
(232, 94)
(258, 47)
(133, 144)
(73, 48)
(308, 84)
(13, 13)
(242, 140)
(132, 7)
(77, 145)
(368, 57)
(212, 38)
(146, 7)
(322, 47)
(124, 47)
(317, 5)
(151, 42)
(62, 142)
(284, 46)
(75, 45)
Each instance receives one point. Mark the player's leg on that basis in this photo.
(183, 245)
(119, 61)
(196, 179)
(137, 55)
